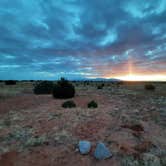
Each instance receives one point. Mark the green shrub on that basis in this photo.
(92, 104)
(10, 82)
(35, 141)
(43, 87)
(25, 138)
(100, 86)
(149, 87)
(63, 89)
(69, 104)
(130, 161)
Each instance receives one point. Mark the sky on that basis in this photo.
(77, 39)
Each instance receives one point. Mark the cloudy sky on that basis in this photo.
(47, 39)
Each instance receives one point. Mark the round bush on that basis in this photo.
(149, 87)
(43, 87)
(92, 104)
(100, 86)
(63, 89)
(69, 104)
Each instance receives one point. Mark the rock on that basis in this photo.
(84, 147)
(151, 160)
(102, 152)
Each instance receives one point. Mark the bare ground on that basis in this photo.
(37, 131)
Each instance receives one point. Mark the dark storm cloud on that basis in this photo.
(80, 38)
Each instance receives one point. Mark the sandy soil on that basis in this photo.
(37, 131)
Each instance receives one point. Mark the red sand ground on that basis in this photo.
(126, 120)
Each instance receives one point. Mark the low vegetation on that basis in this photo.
(69, 104)
(100, 86)
(24, 138)
(10, 82)
(43, 87)
(63, 89)
(92, 104)
(149, 87)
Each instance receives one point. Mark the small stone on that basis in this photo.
(84, 147)
(102, 152)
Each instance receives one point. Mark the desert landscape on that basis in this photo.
(82, 83)
(129, 119)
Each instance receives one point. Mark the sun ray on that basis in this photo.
(130, 66)
(134, 76)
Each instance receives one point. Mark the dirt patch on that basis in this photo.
(143, 146)
(23, 102)
(9, 158)
(91, 130)
(136, 127)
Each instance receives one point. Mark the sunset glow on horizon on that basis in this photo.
(132, 76)
(135, 77)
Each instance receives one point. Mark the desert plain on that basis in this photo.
(35, 130)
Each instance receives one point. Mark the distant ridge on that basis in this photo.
(76, 79)
(105, 79)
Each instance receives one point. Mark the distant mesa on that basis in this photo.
(105, 79)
